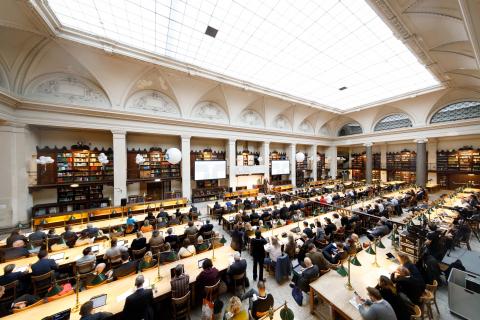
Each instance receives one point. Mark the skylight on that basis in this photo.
(308, 49)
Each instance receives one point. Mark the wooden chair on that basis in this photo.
(193, 238)
(10, 293)
(114, 261)
(211, 292)
(85, 267)
(42, 283)
(39, 302)
(427, 300)
(138, 254)
(417, 315)
(156, 249)
(239, 280)
(433, 289)
(181, 307)
(207, 235)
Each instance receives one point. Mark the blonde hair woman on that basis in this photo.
(235, 310)
(147, 261)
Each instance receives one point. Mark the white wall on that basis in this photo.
(249, 181)
(147, 141)
(199, 144)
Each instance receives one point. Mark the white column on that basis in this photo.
(293, 164)
(369, 164)
(313, 154)
(119, 166)
(13, 174)
(421, 173)
(432, 146)
(266, 159)
(186, 178)
(332, 156)
(232, 163)
(383, 162)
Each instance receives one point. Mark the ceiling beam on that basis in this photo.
(470, 10)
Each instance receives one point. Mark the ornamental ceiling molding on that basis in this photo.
(209, 111)
(251, 118)
(281, 122)
(306, 127)
(63, 88)
(152, 102)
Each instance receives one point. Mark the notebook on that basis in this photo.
(99, 301)
(57, 256)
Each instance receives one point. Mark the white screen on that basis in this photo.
(206, 170)
(280, 167)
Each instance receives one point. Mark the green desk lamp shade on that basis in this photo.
(72, 218)
(286, 313)
(56, 289)
(43, 222)
(113, 212)
(223, 240)
(380, 244)
(355, 261)
(370, 250)
(342, 271)
(99, 278)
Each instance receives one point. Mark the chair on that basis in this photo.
(433, 289)
(417, 315)
(42, 283)
(193, 238)
(427, 300)
(181, 307)
(138, 254)
(211, 292)
(10, 293)
(238, 279)
(39, 302)
(114, 261)
(156, 249)
(207, 235)
(85, 267)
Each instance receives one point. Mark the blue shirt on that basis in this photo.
(131, 221)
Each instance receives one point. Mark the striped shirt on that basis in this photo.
(180, 285)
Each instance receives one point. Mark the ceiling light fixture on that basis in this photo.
(212, 32)
(342, 88)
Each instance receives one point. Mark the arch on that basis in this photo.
(211, 111)
(461, 110)
(152, 102)
(251, 118)
(306, 127)
(350, 128)
(3, 75)
(393, 121)
(64, 88)
(281, 122)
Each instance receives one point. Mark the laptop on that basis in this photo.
(122, 242)
(295, 230)
(58, 256)
(62, 315)
(99, 301)
(200, 262)
(298, 269)
(95, 248)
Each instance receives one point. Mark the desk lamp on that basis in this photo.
(351, 260)
(373, 251)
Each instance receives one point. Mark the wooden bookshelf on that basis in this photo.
(320, 165)
(359, 162)
(456, 167)
(302, 172)
(401, 166)
(247, 158)
(154, 167)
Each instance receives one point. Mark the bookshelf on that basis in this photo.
(247, 158)
(154, 167)
(359, 162)
(401, 166)
(456, 167)
(320, 165)
(302, 172)
(206, 190)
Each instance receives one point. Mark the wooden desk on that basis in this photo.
(331, 288)
(72, 254)
(471, 190)
(118, 290)
(284, 188)
(241, 194)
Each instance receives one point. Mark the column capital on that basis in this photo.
(119, 132)
(368, 144)
(186, 137)
(267, 142)
(423, 140)
(293, 145)
(232, 140)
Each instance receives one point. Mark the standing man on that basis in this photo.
(258, 252)
(138, 305)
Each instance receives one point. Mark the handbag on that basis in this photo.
(297, 295)
(207, 310)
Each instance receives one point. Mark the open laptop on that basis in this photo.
(200, 262)
(62, 315)
(58, 256)
(99, 301)
(298, 269)
(122, 243)
(95, 248)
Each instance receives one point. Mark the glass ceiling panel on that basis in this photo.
(309, 49)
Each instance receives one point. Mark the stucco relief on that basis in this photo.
(68, 89)
(281, 122)
(210, 111)
(306, 127)
(152, 102)
(251, 118)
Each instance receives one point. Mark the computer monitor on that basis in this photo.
(99, 301)
(58, 256)
(200, 262)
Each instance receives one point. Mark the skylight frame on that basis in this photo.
(290, 82)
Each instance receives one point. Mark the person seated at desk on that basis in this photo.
(38, 235)
(207, 227)
(16, 252)
(407, 284)
(405, 261)
(139, 304)
(228, 204)
(131, 223)
(275, 212)
(171, 238)
(217, 206)
(16, 236)
(146, 227)
(191, 229)
(388, 292)
(353, 244)
(91, 231)
(235, 310)
(201, 245)
(307, 275)
(127, 267)
(24, 301)
(208, 277)
(139, 242)
(187, 249)
(44, 264)
(319, 232)
(156, 239)
(329, 198)
(322, 200)
(114, 250)
(69, 236)
(180, 283)
(87, 313)
(83, 239)
(259, 300)
(193, 213)
(147, 261)
(307, 230)
(254, 218)
(329, 227)
(87, 257)
(167, 254)
(150, 218)
(274, 250)
(376, 308)
(380, 230)
(266, 216)
(284, 213)
(318, 258)
(238, 201)
(238, 266)
(335, 252)
(247, 203)
(10, 275)
(162, 214)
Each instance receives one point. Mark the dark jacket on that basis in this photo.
(37, 235)
(307, 276)
(205, 228)
(138, 243)
(208, 277)
(97, 316)
(261, 305)
(398, 305)
(410, 287)
(124, 269)
(22, 278)
(238, 267)
(15, 237)
(13, 253)
(43, 266)
(138, 305)
(257, 247)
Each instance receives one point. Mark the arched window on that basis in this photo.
(349, 129)
(393, 121)
(457, 111)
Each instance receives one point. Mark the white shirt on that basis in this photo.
(381, 207)
(273, 252)
(337, 222)
(329, 198)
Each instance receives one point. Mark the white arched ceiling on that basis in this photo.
(4, 82)
(238, 100)
(453, 96)
(63, 88)
(306, 127)
(384, 112)
(251, 118)
(152, 102)
(209, 111)
(281, 122)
